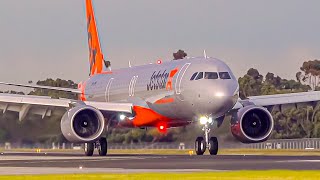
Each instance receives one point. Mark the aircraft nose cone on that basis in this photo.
(217, 99)
(223, 99)
(227, 90)
(222, 104)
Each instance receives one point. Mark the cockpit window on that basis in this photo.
(211, 75)
(200, 76)
(193, 76)
(224, 75)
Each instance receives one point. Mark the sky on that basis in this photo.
(41, 39)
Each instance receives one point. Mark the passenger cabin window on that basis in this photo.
(224, 75)
(200, 76)
(193, 76)
(211, 75)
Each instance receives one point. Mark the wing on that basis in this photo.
(45, 106)
(280, 99)
(77, 91)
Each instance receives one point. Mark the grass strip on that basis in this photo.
(231, 175)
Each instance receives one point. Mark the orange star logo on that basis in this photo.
(171, 76)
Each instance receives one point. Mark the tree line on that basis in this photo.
(291, 122)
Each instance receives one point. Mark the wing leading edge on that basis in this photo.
(77, 91)
(25, 104)
(280, 99)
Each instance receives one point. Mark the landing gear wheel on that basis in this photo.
(102, 147)
(213, 146)
(88, 149)
(200, 146)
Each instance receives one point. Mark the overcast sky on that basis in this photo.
(40, 39)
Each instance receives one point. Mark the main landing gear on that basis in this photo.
(201, 144)
(101, 145)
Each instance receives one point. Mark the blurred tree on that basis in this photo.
(251, 83)
(56, 94)
(271, 79)
(311, 70)
(268, 89)
(179, 55)
(299, 76)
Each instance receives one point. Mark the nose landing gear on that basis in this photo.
(201, 144)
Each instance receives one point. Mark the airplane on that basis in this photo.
(163, 95)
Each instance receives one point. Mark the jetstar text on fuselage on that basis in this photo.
(161, 80)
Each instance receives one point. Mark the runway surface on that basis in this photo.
(57, 163)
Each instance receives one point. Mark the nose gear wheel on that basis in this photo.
(213, 146)
(200, 146)
(210, 143)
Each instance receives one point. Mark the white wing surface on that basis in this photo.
(77, 91)
(280, 99)
(44, 106)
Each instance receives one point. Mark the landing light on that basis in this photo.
(204, 120)
(219, 94)
(210, 120)
(122, 117)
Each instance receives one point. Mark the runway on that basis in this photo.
(57, 163)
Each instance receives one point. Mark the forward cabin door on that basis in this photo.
(178, 87)
(107, 95)
(132, 85)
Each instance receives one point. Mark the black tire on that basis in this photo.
(200, 146)
(88, 149)
(103, 147)
(213, 146)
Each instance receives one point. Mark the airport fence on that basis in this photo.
(270, 144)
(288, 144)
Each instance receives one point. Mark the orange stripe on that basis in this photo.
(106, 72)
(165, 101)
(82, 87)
(147, 117)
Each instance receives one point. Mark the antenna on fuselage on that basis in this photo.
(205, 54)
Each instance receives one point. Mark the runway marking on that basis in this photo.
(142, 163)
(41, 170)
(29, 160)
(300, 161)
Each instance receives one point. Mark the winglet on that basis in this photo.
(96, 59)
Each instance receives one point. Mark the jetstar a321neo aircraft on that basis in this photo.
(164, 95)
